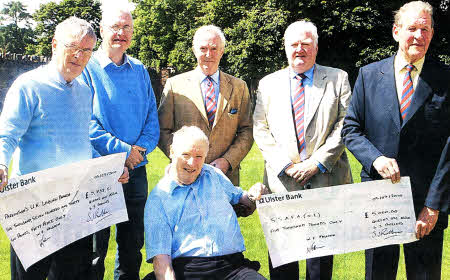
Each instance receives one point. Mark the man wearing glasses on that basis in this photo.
(124, 120)
(45, 121)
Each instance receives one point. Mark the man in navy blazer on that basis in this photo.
(397, 124)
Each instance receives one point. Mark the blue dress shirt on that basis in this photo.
(216, 81)
(47, 120)
(193, 220)
(124, 106)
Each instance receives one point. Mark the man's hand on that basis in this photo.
(125, 176)
(302, 172)
(3, 176)
(135, 157)
(426, 221)
(222, 164)
(387, 168)
(255, 192)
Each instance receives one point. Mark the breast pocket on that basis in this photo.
(437, 108)
(437, 116)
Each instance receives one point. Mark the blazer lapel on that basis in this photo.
(195, 93)
(388, 89)
(315, 95)
(224, 96)
(421, 93)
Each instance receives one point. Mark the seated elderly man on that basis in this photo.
(191, 230)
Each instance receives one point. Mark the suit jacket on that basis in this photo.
(373, 127)
(441, 182)
(230, 136)
(275, 134)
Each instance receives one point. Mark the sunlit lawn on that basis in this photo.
(346, 266)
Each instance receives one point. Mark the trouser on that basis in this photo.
(72, 262)
(320, 268)
(423, 259)
(228, 267)
(129, 235)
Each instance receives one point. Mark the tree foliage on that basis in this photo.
(351, 33)
(50, 14)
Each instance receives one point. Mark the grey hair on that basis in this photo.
(205, 29)
(110, 9)
(75, 27)
(192, 133)
(302, 25)
(416, 6)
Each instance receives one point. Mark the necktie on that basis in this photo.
(407, 92)
(298, 108)
(210, 100)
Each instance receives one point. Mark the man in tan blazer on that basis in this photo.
(212, 100)
(297, 125)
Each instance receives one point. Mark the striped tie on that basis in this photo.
(298, 108)
(407, 92)
(210, 100)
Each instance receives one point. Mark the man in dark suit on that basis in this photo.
(397, 124)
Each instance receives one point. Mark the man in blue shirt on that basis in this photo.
(124, 120)
(191, 229)
(46, 118)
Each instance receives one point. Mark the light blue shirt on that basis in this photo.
(308, 82)
(124, 106)
(47, 120)
(216, 81)
(193, 220)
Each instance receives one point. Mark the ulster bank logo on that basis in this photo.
(20, 183)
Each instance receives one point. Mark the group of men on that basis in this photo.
(396, 123)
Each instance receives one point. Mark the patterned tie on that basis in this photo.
(210, 100)
(298, 108)
(407, 92)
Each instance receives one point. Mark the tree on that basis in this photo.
(14, 38)
(51, 14)
(16, 11)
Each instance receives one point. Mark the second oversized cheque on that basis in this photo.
(335, 220)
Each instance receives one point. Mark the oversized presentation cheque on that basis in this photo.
(334, 220)
(44, 211)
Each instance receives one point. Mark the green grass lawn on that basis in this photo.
(346, 266)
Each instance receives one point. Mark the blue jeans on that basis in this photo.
(129, 235)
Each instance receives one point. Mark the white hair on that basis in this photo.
(191, 133)
(302, 26)
(75, 27)
(111, 8)
(206, 29)
(415, 6)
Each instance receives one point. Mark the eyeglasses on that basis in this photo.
(125, 28)
(74, 50)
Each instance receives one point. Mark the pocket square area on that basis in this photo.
(233, 111)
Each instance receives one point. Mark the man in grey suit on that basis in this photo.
(297, 125)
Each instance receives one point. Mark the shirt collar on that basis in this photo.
(400, 63)
(202, 76)
(173, 184)
(309, 73)
(57, 76)
(104, 60)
